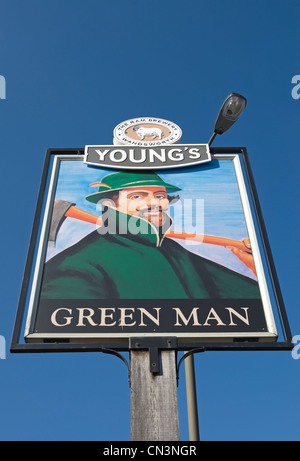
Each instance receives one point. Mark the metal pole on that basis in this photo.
(191, 397)
(212, 138)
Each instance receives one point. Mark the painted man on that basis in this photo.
(129, 256)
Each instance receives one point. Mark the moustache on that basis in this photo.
(151, 209)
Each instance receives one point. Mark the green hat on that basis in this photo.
(124, 180)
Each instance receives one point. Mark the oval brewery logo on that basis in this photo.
(147, 143)
(147, 132)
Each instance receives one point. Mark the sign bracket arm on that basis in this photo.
(120, 356)
(187, 354)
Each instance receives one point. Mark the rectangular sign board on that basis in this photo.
(118, 254)
(155, 157)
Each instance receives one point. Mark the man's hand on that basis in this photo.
(244, 255)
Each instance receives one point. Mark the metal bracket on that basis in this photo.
(154, 345)
(117, 354)
(187, 354)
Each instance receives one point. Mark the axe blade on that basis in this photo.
(60, 209)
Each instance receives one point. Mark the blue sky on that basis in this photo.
(73, 71)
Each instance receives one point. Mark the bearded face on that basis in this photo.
(149, 203)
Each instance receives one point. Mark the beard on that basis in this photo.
(155, 215)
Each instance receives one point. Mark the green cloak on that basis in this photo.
(136, 261)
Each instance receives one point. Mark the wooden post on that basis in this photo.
(154, 404)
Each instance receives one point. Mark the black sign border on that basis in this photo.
(161, 343)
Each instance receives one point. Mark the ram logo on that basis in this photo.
(153, 131)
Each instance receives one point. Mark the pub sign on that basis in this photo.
(148, 237)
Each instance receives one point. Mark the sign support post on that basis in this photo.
(153, 383)
(154, 404)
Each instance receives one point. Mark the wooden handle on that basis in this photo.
(243, 245)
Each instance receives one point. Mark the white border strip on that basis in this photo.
(255, 249)
(33, 301)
